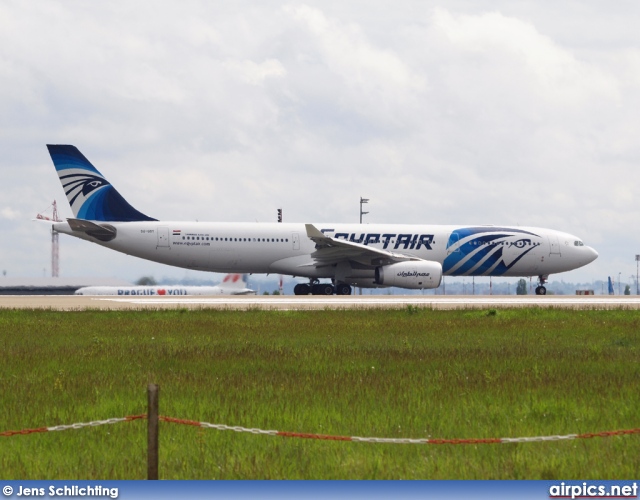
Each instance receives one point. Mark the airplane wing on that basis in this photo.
(330, 251)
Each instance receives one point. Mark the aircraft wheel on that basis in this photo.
(343, 289)
(540, 290)
(327, 289)
(301, 289)
(322, 289)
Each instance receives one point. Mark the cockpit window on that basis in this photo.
(578, 243)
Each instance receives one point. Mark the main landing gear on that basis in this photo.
(317, 288)
(541, 289)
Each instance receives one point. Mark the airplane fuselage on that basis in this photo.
(162, 290)
(285, 247)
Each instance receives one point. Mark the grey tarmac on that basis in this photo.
(292, 302)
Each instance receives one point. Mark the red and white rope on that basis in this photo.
(325, 437)
(78, 425)
(359, 439)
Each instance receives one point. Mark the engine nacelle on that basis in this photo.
(416, 275)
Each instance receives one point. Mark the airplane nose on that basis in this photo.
(591, 255)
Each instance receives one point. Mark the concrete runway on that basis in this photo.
(292, 302)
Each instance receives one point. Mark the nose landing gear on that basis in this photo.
(541, 289)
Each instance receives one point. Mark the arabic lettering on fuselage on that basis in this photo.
(404, 241)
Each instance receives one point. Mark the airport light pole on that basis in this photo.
(637, 263)
(362, 201)
(619, 283)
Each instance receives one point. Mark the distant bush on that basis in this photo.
(147, 281)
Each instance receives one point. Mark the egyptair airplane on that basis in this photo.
(232, 284)
(371, 255)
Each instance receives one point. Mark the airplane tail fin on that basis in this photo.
(91, 196)
(234, 281)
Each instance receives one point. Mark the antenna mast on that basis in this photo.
(55, 246)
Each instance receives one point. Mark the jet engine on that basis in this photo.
(416, 275)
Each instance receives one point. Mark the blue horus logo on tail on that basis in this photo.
(91, 196)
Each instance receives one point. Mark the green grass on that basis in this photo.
(412, 373)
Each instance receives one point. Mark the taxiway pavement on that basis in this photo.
(292, 302)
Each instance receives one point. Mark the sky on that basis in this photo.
(458, 112)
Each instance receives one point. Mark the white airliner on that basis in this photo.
(232, 284)
(371, 255)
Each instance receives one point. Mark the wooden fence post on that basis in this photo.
(152, 431)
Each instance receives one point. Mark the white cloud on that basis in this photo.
(374, 81)
(9, 213)
(347, 52)
(556, 72)
(256, 73)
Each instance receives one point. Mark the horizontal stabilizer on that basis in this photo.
(102, 232)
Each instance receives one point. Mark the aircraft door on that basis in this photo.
(163, 237)
(554, 246)
(452, 245)
(295, 238)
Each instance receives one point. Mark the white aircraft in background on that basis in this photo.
(232, 284)
(371, 255)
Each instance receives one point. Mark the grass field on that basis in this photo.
(413, 373)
